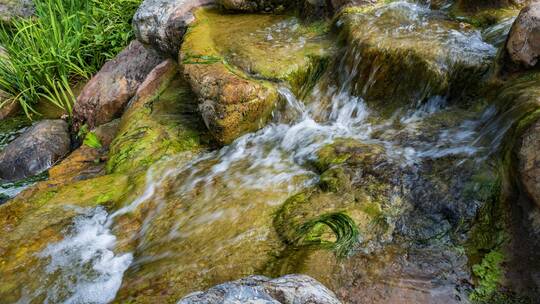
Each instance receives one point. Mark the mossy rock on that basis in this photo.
(233, 62)
(157, 125)
(426, 55)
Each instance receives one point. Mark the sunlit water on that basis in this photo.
(275, 161)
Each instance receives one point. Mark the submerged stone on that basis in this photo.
(229, 61)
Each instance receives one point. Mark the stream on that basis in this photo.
(213, 218)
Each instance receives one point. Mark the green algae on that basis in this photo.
(163, 125)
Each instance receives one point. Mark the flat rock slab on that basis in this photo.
(36, 150)
(105, 96)
(289, 289)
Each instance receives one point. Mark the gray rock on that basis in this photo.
(162, 23)
(105, 96)
(529, 162)
(289, 289)
(523, 45)
(15, 8)
(36, 150)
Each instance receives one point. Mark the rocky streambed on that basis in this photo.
(355, 152)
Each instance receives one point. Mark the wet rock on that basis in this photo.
(162, 23)
(161, 121)
(529, 162)
(290, 289)
(225, 60)
(476, 5)
(523, 45)
(425, 56)
(35, 150)
(15, 8)
(85, 162)
(105, 96)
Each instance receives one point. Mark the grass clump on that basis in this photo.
(64, 43)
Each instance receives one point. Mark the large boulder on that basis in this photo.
(226, 61)
(35, 150)
(529, 162)
(523, 45)
(163, 23)
(15, 8)
(290, 289)
(425, 56)
(105, 96)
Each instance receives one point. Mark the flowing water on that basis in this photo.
(211, 220)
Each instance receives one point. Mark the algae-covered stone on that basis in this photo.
(424, 55)
(224, 58)
(160, 121)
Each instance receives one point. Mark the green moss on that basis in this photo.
(163, 125)
(489, 273)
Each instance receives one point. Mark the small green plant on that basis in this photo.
(489, 274)
(91, 140)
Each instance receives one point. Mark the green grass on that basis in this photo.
(66, 42)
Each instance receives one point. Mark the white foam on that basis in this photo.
(85, 267)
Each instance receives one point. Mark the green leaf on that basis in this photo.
(92, 141)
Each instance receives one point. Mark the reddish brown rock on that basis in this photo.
(105, 96)
(523, 45)
(529, 162)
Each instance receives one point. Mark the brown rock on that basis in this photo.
(529, 162)
(85, 162)
(105, 96)
(230, 105)
(37, 149)
(523, 45)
